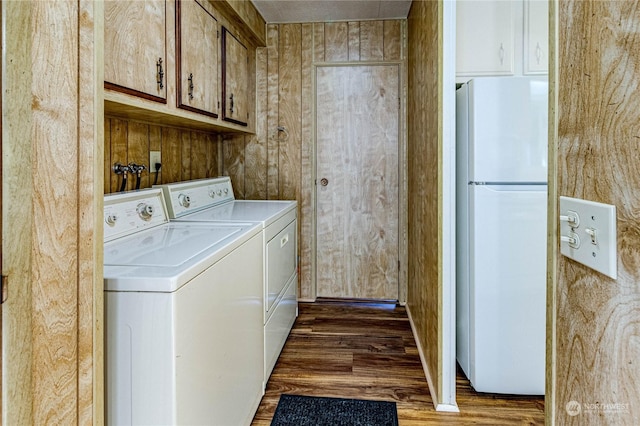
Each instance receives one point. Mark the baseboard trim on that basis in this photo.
(434, 395)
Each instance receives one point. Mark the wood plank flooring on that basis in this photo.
(367, 351)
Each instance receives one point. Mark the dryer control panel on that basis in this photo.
(188, 197)
(130, 212)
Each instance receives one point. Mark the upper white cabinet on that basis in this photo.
(485, 37)
(536, 36)
(501, 37)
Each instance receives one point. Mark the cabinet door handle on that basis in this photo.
(231, 104)
(501, 54)
(160, 73)
(190, 86)
(538, 53)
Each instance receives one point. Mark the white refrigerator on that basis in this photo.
(501, 196)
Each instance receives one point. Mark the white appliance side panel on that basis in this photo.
(462, 228)
(139, 368)
(508, 129)
(277, 328)
(280, 262)
(220, 341)
(508, 289)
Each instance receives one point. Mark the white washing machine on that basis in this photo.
(212, 200)
(183, 316)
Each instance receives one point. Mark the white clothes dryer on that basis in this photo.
(212, 200)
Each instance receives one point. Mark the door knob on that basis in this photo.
(324, 181)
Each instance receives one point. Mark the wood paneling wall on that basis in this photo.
(597, 331)
(186, 154)
(52, 244)
(275, 164)
(424, 184)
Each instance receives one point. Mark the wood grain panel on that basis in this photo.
(372, 40)
(185, 155)
(423, 152)
(307, 186)
(289, 106)
(273, 122)
(255, 155)
(106, 166)
(234, 150)
(357, 151)
(392, 40)
(138, 152)
(119, 143)
(171, 155)
(198, 154)
(336, 41)
(354, 41)
(598, 324)
(55, 284)
(17, 218)
(318, 42)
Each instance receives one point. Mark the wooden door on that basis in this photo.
(135, 48)
(197, 58)
(235, 80)
(357, 119)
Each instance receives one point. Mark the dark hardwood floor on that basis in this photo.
(367, 351)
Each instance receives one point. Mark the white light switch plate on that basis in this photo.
(596, 231)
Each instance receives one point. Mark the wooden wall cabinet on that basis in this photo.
(135, 54)
(235, 80)
(197, 58)
(191, 95)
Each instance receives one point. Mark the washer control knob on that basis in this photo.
(145, 211)
(226, 191)
(184, 200)
(111, 219)
(212, 193)
(219, 192)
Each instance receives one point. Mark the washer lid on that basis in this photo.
(167, 246)
(165, 258)
(264, 211)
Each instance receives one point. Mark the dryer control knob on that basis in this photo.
(219, 192)
(226, 190)
(145, 211)
(212, 193)
(184, 200)
(111, 219)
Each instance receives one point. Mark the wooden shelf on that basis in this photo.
(124, 106)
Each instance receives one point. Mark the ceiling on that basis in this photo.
(279, 11)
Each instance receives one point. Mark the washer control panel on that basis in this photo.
(187, 197)
(130, 212)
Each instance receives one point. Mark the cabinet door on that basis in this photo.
(135, 54)
(197, 58)
(484, 38)
(536, 36)
(235, 80)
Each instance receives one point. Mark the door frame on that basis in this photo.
(402, 172)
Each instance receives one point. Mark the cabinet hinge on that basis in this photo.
(5, 289)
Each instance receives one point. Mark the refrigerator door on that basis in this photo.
(507, 132)
(507, 291)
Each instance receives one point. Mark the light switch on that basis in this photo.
(593, 225)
